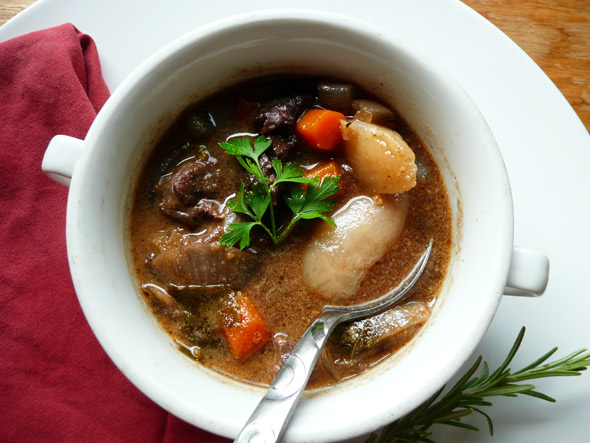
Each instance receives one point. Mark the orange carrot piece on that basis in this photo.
(322, 170)
(248, 332)
(329, 169)
(320, 128)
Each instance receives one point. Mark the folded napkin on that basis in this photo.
(56, 382)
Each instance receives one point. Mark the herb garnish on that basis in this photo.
(305, 203)
(469, 393)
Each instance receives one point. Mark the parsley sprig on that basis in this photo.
(305, 203)
(469, 395)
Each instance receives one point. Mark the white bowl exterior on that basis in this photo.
(245, 46)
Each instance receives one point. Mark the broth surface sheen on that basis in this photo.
(179, 209)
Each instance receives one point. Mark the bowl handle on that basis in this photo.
(529, 273)
(61, 157)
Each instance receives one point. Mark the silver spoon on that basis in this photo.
(269, 420)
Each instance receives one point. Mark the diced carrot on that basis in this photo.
(322, 170)
(247, 331)
(329, 169)
(320, 128)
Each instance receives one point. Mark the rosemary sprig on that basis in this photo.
(469, 395)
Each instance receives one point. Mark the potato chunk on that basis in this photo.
(370, 111)
(380, 157)
(337, 258)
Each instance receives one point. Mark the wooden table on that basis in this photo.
(554, 33)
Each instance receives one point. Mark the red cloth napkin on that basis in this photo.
(56, 382)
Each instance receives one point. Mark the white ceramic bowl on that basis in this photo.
(102, 171)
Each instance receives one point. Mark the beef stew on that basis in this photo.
(239, 304)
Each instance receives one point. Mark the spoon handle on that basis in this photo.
(270, 418)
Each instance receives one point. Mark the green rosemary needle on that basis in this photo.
(469, 395)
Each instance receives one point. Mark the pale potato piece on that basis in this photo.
(380, 157)
(370, 111)
(336, 259)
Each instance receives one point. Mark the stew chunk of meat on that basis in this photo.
(187, 194)
(280, 113)
(278, 118)
(204, 264)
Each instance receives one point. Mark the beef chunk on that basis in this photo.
(191, 216)
(280, 113)
(278, 118)
(283, 144)
(176, 236)
(204, 264)
(189, 192)
(266, 165)
(268, 171)
(195, 178)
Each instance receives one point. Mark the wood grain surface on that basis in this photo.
(554, 33)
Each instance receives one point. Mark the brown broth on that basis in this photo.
(277, 288)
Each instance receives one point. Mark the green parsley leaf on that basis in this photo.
(306, 204)
(258, 200)
(314, 199)
(295, 200)
(311, 215)
(243, 147)
(312, 203)
(291, 172)
(239, 204)
(238, 232)
(327, 188)
(261, 144)
(238, 146)
(248, 157)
